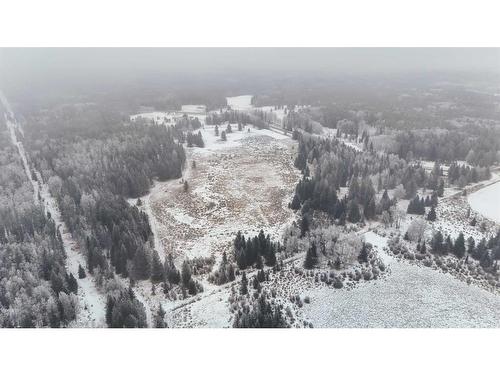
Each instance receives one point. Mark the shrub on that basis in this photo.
(337, 284)
(367, 275)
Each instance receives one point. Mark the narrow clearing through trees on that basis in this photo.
(92, 305)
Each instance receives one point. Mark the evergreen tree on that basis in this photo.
(311, 257)
(159, 319)
(470, 245)
(256, 284)
(423, 248)
(259, 264)
(142, 264)
(172, 273)
(81, 272)
(186, 273)
(72, 284)
(216, 131)
(353, 214)
(448, 245)
(363, 254)
(295, 204)
(244, 284)
(110, 303)
(437, 243)
(304, 226)
(223, 136)
(157, 270)
(432, 214)
(440, 190)
(459, 247)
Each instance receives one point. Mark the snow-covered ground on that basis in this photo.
(170, 117)
(240, 103)
(486, 201)
(194, 108)
(243, 183)
(410, 296)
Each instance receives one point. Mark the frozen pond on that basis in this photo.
(410, 296)
(487, 202)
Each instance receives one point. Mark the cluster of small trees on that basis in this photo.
(487, 252)
(255, 251)
(463, 175)
(225, 273)
(234, 117)
(168, 275)
(186, 123)
(260, 314)
(194, 139)
(125, 311)
(323, 245)
(417, 205)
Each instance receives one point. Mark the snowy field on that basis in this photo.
(410, 296)
(486, 201)
(243, 183)
(240, 103)
(194, 108)
(170, 117)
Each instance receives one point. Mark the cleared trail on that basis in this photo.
(91, 301)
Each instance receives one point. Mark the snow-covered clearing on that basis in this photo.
(209, 311)
(410, 296)
(244, 183)
(194, 108)
(170, 117)
(240, 103)
(486, 201)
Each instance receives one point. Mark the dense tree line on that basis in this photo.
(478, 146)
(125, 311)
(463, 175)
(255, 251)
(122, 160)
(336, 165)
(35, 289)
(235, 117)
(300, 120)
(194, 140)
(487, 252)
(90, 171)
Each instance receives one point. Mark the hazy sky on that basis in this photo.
(35, 61)
(57, 67)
